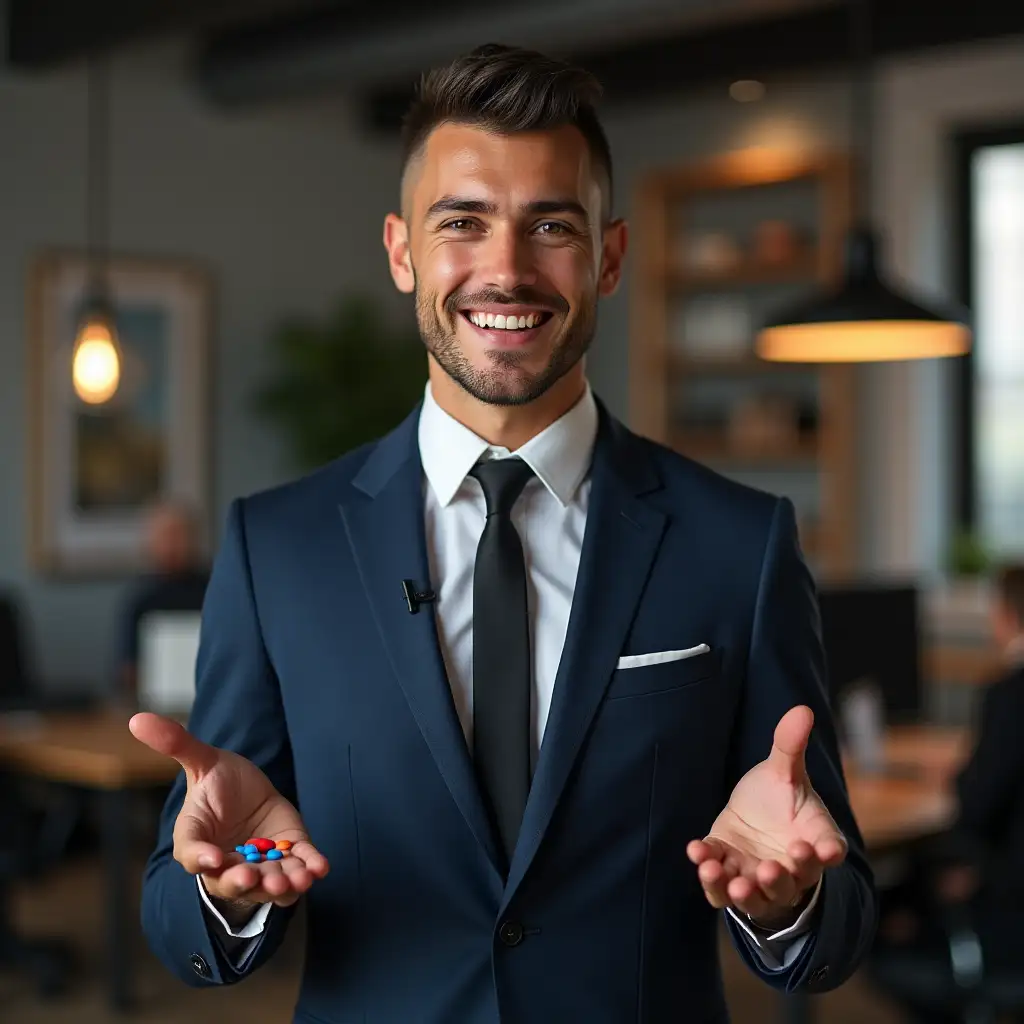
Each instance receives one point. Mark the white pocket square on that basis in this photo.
(660, 657)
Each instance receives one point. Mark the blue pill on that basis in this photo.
(254, 858)
(274, 854)
(239, 849)
(249, 848)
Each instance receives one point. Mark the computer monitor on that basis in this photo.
(871, 632)
(168, 645)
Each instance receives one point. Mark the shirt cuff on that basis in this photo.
(239, 951)
(778, 950)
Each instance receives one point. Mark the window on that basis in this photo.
(991, 389)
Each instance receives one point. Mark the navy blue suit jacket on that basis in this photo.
(311, 665)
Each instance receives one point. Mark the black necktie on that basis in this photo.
(501, 651)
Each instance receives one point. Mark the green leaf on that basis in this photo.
(337, 384)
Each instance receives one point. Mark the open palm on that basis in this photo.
(228, 801)
(769, 846)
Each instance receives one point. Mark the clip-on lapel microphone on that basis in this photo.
(414, 598)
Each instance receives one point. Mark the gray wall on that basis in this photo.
(285, 206)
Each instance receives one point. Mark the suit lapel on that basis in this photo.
(385, 525)
(619, 545)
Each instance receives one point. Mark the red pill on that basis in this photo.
(262, 844)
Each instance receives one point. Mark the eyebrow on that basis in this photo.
(462, 204)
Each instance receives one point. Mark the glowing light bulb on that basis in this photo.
(96, 363)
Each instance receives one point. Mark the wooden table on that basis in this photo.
(911, 798)
(94, 751)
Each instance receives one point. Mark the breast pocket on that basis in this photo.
(665, 677)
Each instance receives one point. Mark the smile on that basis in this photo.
(506, 321)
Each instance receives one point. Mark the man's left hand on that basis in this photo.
(767, 850)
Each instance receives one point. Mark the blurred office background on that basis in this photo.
(235, 159)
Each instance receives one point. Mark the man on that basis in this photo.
(175, 582)
(534, 682)
(976, 872)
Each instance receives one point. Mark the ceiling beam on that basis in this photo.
(798, 42)
(47, 33)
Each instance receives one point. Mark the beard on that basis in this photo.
(506, 381)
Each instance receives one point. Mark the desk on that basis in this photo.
(96, 751)
(910, 800)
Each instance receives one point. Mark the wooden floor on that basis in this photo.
(70, 904)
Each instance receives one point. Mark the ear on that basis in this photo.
(613, 252)
(396, 241)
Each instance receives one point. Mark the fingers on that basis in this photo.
(700, 850)
(166, 736)
(281, 882)
(306, 853)
(790, 742)
(715, 877)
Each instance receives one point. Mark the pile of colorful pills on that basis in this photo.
(255, 850)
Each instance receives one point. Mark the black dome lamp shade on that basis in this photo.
(864, 319)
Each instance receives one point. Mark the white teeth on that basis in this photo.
(506, 323)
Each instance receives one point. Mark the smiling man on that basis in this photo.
(532, 699)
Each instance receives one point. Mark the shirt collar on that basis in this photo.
(559, 455)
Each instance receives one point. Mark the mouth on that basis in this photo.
(513, 326)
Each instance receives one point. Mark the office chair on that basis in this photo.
(49, 962)
(954, 981)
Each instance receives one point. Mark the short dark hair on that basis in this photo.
(508, 89)
(1010, 589)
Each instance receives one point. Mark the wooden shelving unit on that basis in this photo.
(710, 266)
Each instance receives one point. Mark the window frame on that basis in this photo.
(965, 143)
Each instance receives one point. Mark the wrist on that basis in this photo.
(777, 920)
(236, 912)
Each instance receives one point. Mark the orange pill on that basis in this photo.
(283, 844)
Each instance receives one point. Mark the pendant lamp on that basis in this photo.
(865, 318)
(96, 358)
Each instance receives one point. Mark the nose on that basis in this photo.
(508, 260)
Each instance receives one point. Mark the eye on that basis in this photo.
(553, 227)
(459, 224)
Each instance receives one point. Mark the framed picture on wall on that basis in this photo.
(97, 467)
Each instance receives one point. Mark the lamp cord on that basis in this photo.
(862, 105)
(98, 143)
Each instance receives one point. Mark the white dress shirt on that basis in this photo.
(550, 516)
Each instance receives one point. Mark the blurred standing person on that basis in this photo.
(175, 581)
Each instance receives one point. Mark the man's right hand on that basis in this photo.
(229, 800)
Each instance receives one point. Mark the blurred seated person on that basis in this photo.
(980, 863)
(176, 582)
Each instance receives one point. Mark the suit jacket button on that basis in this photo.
(819, 975)
(199, 965)
(510, 933)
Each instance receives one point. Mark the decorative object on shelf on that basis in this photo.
(763, 424)
(777, 243)
(341, 383)
(96, 467)
(714, 326)
(713, 252)
(864, 319)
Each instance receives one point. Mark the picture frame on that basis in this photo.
(97, 470)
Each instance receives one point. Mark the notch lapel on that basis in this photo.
(620, 541)
(385, 526)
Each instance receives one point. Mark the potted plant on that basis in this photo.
(340, 383)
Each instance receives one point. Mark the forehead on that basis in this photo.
(476, 163)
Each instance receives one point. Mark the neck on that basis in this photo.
(507, 426)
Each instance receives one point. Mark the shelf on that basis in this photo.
(712, 447)
(804, 267)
